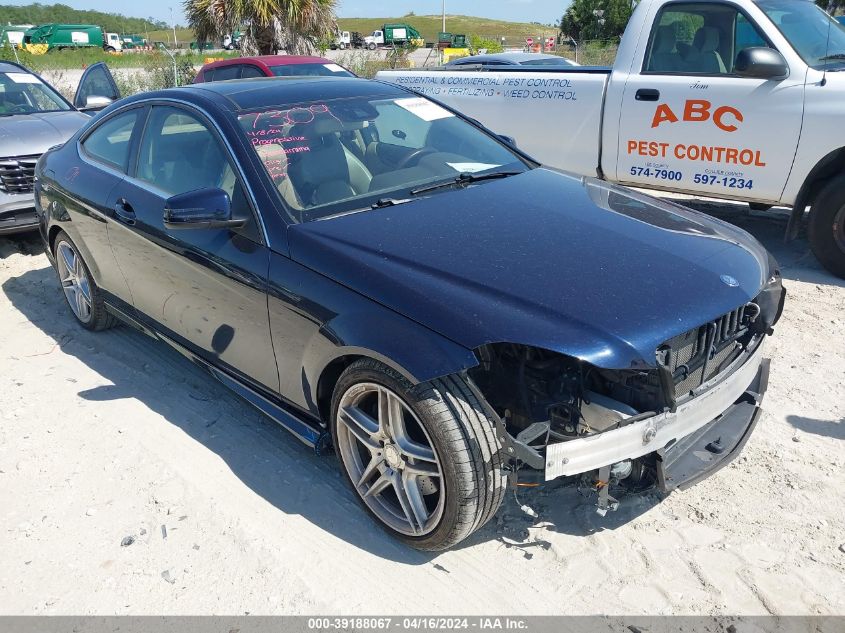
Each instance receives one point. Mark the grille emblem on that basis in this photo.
(729, 281)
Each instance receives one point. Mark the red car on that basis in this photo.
(270, 66)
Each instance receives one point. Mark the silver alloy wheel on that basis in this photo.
(390, 459)
(74, 281)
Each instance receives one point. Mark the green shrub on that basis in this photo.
(476, 42)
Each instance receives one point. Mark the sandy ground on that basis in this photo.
(104, 436)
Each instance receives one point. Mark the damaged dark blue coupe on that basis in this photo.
(384, 277)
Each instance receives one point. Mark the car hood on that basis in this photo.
(31, 134)
(573, 265)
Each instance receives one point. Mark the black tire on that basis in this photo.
(372, 47)
(342, 46)
(827, 227)
(100, 319)
(463, 438)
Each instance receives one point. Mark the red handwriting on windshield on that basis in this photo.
(292, 116)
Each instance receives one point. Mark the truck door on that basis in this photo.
(691, 122)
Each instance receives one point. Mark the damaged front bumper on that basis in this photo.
(703, 434)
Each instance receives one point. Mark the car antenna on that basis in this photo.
(827, 49)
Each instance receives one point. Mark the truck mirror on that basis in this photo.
(761, 63)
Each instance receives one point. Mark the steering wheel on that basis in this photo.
(17, 107)
(415, 155)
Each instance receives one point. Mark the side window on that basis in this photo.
(699, 39)
(222, 73)
(208, 75)
(109, 142)
(179, 153)
(395, 127)
(250, 71)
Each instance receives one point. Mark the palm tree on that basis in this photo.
(267, 25)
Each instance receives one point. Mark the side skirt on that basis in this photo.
(307, 432)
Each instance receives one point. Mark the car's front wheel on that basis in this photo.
(827, 227)
(424, 460)
(82, 295)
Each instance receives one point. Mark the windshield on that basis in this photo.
(333, 157)
(807, 27)
(24, 93)
(310, 70)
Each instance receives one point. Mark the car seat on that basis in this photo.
(704, 56)
(664, 58)
(328, 171)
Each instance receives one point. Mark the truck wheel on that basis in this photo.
(110, 49)
(342, 46)
(423, 460)
(827, 227)
(372, 46)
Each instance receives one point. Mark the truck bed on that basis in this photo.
(553, 114)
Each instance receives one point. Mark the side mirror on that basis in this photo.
(507, 139)
(200, 209)
(761, 63)
(96, 103)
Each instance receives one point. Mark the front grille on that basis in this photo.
(17, 174)
(699, 355)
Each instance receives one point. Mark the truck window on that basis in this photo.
(699, 39)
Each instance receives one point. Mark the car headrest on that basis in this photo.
(665, 40)
(706, 39)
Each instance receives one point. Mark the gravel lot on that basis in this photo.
(107, 436)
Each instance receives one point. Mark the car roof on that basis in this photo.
(253, 94)
(11, 67)
(270, 60)
(509, 58)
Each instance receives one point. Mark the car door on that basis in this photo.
(97, 89)
(689, 121)
(87, 188)
(204, 288)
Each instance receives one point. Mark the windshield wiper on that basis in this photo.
(464, 179)
(388, 202)
(831, 57)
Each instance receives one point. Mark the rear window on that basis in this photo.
(310, 70)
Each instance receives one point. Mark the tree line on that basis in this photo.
(63, 14)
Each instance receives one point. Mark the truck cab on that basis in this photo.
(113, 43)
(374, 40)
(740, 100)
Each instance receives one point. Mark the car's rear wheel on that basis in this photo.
(424, 460)
(827, 227)
(82, 295)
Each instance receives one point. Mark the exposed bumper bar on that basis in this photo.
(654, 433)
(714, 445)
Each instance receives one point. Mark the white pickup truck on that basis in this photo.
(742, 100)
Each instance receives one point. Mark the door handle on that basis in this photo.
(123, 211)
(647, 94)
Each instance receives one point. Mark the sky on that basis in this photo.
(544, 11)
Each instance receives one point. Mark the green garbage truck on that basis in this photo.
(59, 36)
(394, 35)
